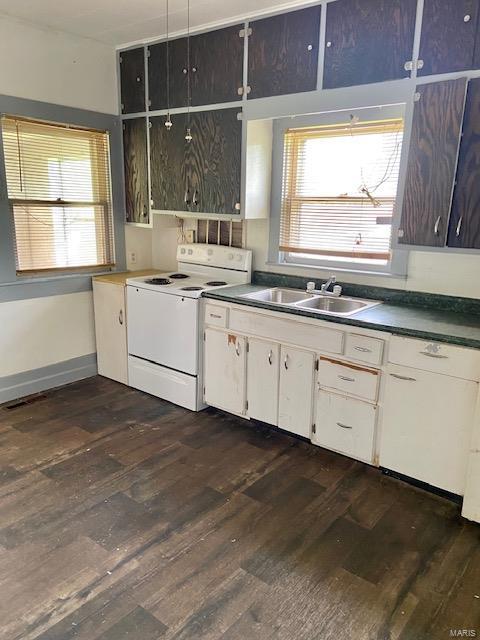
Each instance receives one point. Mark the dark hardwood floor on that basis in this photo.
(125, 517)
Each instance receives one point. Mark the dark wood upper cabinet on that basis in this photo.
(132, 80)
(449, 29)
(283, 53)
(432, 160)
(202, 176)
(214, 162)
(368, 41)
(168, 168)
(157, 74)
(464, 230)
(216, 66)
(136, 170)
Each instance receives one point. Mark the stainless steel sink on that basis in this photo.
(312, 302)
(278, 296)
(336, 306)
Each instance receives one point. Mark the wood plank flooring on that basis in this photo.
(125, 517)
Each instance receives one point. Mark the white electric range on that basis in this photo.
(165, 323)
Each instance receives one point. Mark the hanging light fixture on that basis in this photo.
(188, 133)
(168, 121)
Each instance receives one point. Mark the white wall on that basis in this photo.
(43, 331)
(51, 66)
(456, 274)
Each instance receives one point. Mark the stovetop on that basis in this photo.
(189, 285)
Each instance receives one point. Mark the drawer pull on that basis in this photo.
(120, 316)
(363, 349)
(439, 356)
(437, 225)
(343, 426)
(270, 357)
(407, 378)
(215, 315)
(347, 379)
(285, 363)
(237, 349)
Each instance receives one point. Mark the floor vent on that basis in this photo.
(22, 403)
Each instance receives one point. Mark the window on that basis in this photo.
(58, 180)
(339, 187)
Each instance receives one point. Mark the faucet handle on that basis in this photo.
(310, 286)
(337, 290)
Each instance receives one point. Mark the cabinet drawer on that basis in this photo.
(216, 316)
(364, 349)
(348, 378)
(458, 362)
(295, 332)
(345, 425)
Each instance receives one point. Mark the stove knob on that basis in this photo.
(210, 251)
(182, 251)
(230, 256)
(239, 257)
(190, 251)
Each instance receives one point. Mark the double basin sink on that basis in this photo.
(335, 306)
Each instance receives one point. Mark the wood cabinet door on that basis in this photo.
(157, 74)
(214, 161)
(427, 421)
(225, 370)
(432, 160)
(448, 36)
(136, 170)
(464, 228)
(110, 330)
(368, 41)
(132, 80)
(168, 163)
(296, 389)
(216, 66)
(262, 380)
(283, 53)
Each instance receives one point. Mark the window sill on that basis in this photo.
(52, 278)
(336, 269)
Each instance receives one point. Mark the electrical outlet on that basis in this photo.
(132, 256)
(190, 235)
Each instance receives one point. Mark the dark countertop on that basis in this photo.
(417, 322)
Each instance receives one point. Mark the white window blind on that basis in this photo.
(58, 181)
(339, 190)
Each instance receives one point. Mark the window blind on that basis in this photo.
(58, 181)
(339, 189)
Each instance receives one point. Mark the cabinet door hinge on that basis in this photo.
(316, 364)
(245, 32)
(248, 347)
(123, 126)
(148, 52)
(120, 59)
(246, 405)
(149, 102)
(204, 336)
(314, 428)
(412, 65)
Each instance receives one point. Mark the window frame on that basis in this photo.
(107, 206)
(397, 266)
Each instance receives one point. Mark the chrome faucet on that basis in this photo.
(323, 291)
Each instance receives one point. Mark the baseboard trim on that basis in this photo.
(24, 384)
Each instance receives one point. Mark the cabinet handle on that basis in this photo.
(439, 356)
(120, 316)
(437, 225)
(407, 378)
(347, 379)
(237, 349)
(187, 196)
(343, 426)
(363, 349)
(285, 363)
(195, 197)
(459, 227)
(270, 357)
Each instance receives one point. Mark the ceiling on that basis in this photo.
(120, 22)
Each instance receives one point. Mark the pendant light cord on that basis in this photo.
(189, 91)
(168, 67)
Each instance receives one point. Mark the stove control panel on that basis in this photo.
(215, 256)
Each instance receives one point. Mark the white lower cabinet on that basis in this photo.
(262, 380)
(426, 426)
(345, 424)
(225, 370)
(111, 330)
(296, 391)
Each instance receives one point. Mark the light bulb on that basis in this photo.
(188, 135)
(168, 122)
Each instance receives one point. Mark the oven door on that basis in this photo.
(163, 328)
